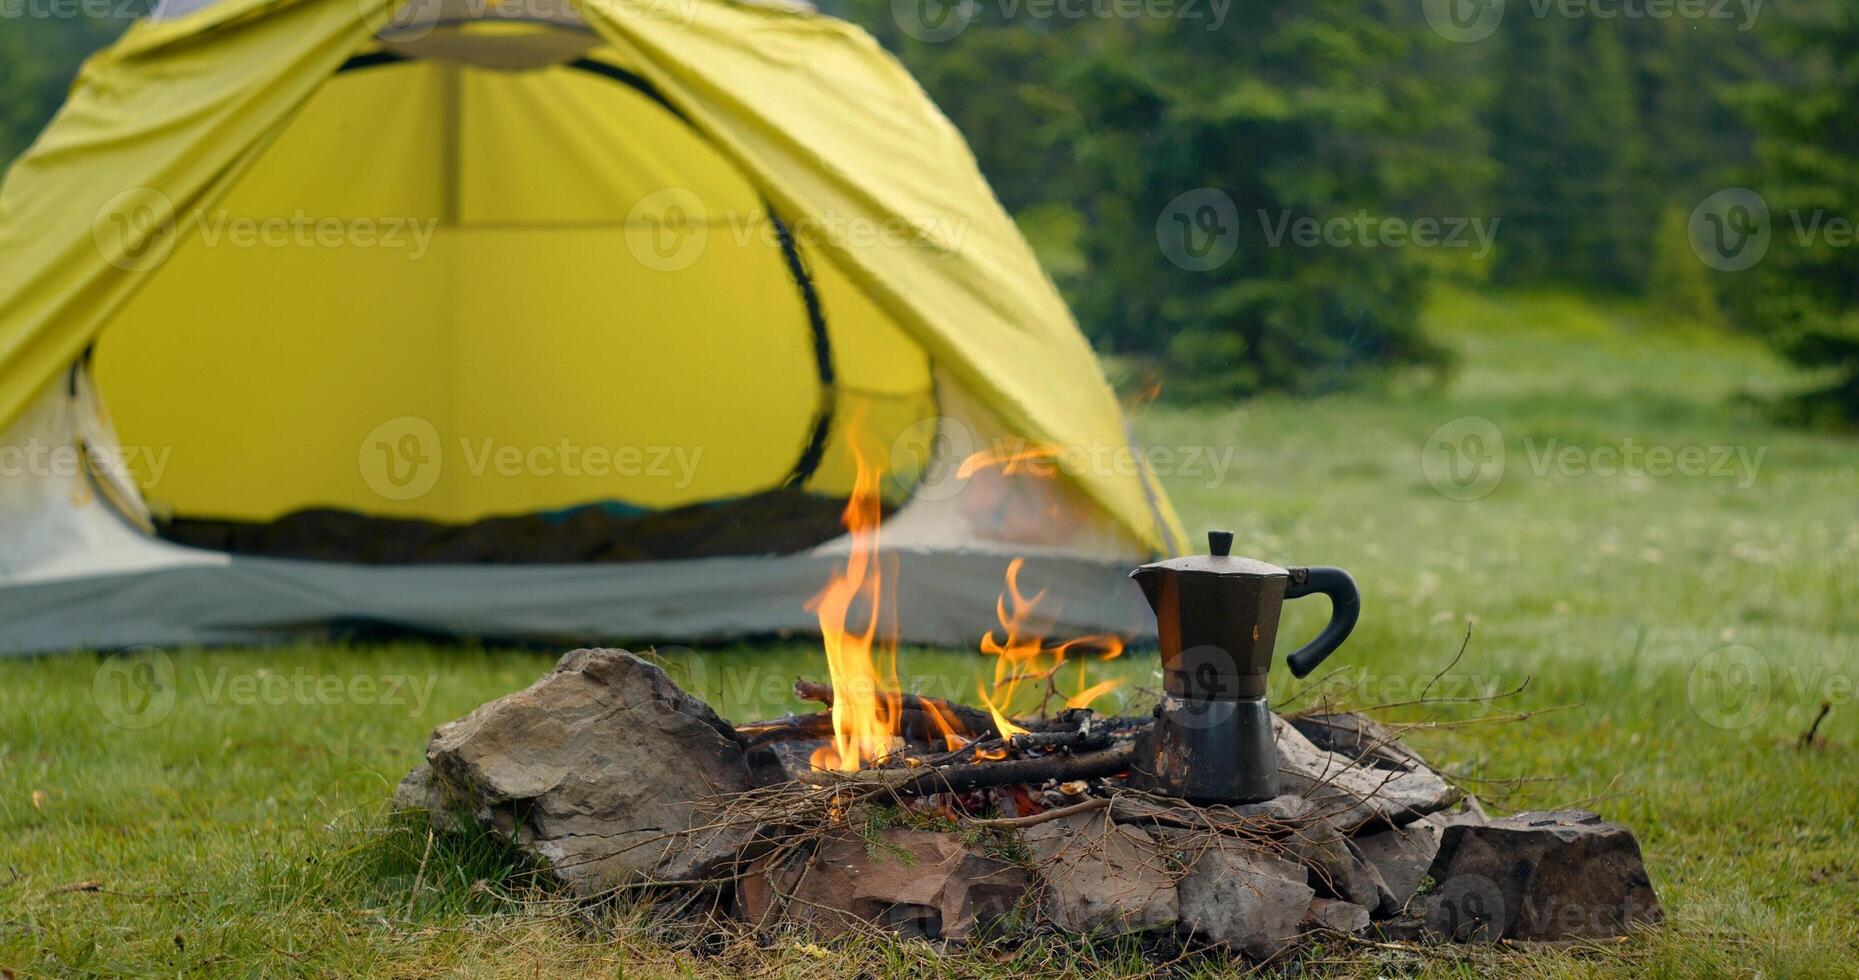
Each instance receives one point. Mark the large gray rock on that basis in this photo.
(1238, 895)
(1335, 915)
(916, 883)
(1338, 869)
(603, 772)
(1402, 855)
(1563, 874)
(1352, 792)
(1100, 877)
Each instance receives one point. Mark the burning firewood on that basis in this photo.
(967, 721)
(961, 777)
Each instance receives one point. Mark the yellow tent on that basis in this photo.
(532, 318)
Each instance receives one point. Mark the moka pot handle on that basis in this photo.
(1345, 606)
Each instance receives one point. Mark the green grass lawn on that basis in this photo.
(1692, 622)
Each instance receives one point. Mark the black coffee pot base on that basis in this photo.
(1209, 751)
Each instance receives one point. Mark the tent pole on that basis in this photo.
(451, 108)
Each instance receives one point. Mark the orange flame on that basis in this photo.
(1024, 655)
(851, 609)
(1007, 462)
(949, 728)
(854, 611)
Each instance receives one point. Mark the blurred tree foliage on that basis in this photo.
(39, 56)
(1803, 296)
(1090, 128)
(1577, 135)
(1679, 282)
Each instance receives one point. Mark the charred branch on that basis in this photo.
(959, 778)
(967, 721)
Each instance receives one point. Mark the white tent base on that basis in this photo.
(943, 600)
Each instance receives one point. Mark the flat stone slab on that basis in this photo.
(915, 883)
(1100, 877)
(1352, 793)
(1356, 736)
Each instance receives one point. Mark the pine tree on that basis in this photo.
(1566, 140)
(1803, 296)
(1679, 284)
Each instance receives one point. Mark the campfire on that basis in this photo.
(1211, 820)
(872, 722)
